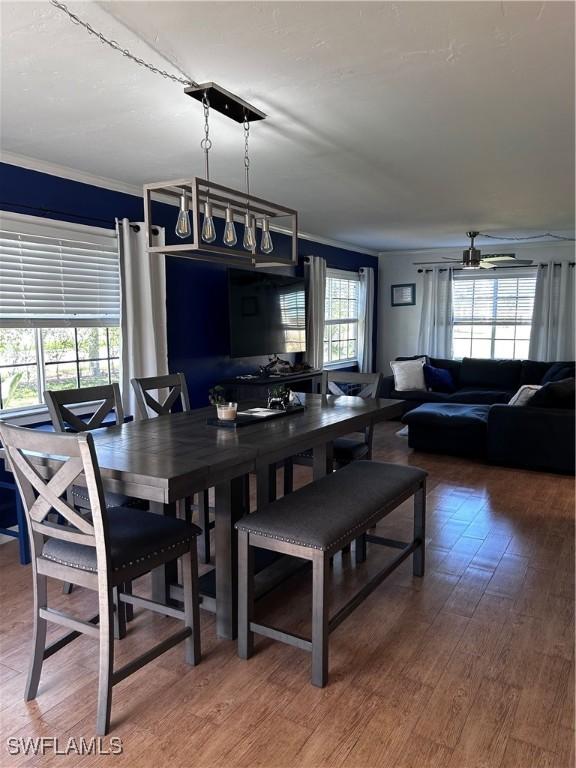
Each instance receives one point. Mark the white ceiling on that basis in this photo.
(391, 124)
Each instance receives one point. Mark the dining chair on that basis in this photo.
(168, 391)
(365, 385)
(359, 445)
(102, 406)
(100, 552)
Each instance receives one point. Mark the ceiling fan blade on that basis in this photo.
(499, 257)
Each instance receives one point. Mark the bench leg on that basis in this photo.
(361, 549)
(245, 595)
(320, 571)
(418, 562)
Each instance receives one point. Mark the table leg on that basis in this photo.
(167, 574)
(266, 485)
(322, 460)
(229, 509)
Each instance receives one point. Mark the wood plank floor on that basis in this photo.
(471, 667)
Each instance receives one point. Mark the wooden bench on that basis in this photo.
(314, 523)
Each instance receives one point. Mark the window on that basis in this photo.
(59, 308)
(341, 317)
(492, 314)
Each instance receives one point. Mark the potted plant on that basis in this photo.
(224, 410)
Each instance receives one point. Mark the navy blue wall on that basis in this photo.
(197, 303)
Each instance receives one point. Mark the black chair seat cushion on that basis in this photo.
(134, 536)
(347, 449)
(336, 506)
(447, 415)
(81, 499)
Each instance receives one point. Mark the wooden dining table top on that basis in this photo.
(172, 456)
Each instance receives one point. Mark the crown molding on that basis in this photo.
(65, 172)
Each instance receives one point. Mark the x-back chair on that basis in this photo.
(105, 400)
(365, 385)
(169, 390)
(100, 551)
(359, 445)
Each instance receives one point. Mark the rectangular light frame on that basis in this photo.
(198, 191)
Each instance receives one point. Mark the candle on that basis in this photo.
(227, 411)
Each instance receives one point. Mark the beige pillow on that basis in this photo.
(408, 374)
(524, 394)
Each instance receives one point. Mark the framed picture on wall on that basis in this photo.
(403, 295)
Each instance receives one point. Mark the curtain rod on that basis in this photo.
(540, 266)
(43, 213)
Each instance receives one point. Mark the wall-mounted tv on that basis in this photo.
(267, 313)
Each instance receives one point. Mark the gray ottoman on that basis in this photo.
(452, 428)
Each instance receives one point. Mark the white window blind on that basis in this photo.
(57, 274)
(341, 317)
(492, 313)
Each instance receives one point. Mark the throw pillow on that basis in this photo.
(555, 394)
(524, 394)
(558, 372)
(438, 379)
(408, 374)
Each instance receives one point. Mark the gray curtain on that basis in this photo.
(315, 275)
(365, 319)
(552, 334)
(144, 335)
(435, 335)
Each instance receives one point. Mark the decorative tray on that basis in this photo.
(253, 416)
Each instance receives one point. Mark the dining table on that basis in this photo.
(168, 459)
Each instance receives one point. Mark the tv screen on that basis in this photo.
(267, 313)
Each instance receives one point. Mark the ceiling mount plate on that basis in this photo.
(225, 102)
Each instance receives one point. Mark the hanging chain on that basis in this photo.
(530, 237)
(246, 155)
(206, 143)
(117, 47)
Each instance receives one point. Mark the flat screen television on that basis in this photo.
(267, 313)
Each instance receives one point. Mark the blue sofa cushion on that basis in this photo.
(453, 366)
(480, 396)
(438, 379)
(558, 371)
(555, 394)
(533, 371)
(503, 375)
(448, 415)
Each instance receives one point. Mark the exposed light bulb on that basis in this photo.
(230, 230)
(266, 244)
(208, 231)
(183, 228)
(249, 241)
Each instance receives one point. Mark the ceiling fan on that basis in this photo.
(472, 258)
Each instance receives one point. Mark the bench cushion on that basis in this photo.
(134, 536)
(336, 506)
(347, 449)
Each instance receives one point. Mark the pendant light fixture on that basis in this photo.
(201, 199)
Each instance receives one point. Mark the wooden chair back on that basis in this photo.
(106, 397)
(25, 449)
(366, 385)
(173, 388)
